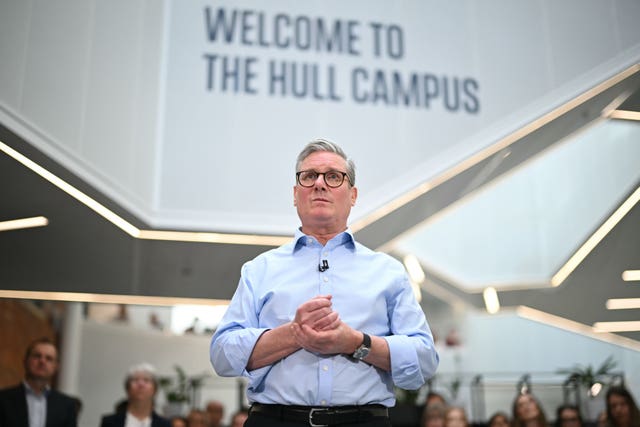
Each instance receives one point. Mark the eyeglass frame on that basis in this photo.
(324, 178)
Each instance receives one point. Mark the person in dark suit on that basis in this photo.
(141, 386)
(33, 403)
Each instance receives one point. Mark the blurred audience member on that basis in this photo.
(120, 406)
(527, 412)
(568, 416)
(602, 419)
(499, 419)
(433, 415)
(622, 410)
(215, 412)
(239, 418)
(434, 397)
(197, 418)
(455, 416)
(179, 422)
(141, 386)
(154, 321)
(33, 403)
(122, 315)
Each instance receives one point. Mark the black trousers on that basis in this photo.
(261, 420)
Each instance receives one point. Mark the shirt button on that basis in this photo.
(309, 241)
(325, 368)
(325, 254)
(325, 278)
(323, 402)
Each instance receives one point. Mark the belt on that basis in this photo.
(321, 416)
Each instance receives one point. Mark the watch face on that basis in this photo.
(361, 352)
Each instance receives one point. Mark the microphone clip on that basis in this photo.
(324, 266)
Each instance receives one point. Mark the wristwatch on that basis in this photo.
(363, 350)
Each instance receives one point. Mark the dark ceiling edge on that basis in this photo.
(22, 146)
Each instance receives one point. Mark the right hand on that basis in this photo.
(317, 314)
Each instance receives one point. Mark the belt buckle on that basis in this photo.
(314, 410)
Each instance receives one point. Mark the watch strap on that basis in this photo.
(363, 349)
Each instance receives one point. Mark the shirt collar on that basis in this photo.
(345, 238)
(30, 390)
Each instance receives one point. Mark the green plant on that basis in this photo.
(178, 388)
(587, 376)
(454, 387)
(408, 397)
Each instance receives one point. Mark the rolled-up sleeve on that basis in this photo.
(237, 334)
(231, 349)
(414, 358)
(413, 361)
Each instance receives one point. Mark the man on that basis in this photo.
(568, 416)
(197, 418)
(215, 413)
(323, 327)
(238, 419)
(141, 386)
(33, 403)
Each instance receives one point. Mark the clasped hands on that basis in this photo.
(317, 328)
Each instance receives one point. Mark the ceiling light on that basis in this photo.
(414, 268)
(417, 292)
(630, 326)
(491, 301)
(623, 303)
(631, 275)
(624, 115)
(595, 238)
(17, 224)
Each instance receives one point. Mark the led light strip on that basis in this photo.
(630, 326)
(631, 275)
(416, 273)
(595, 238)
(18, 224)
(623, 303)
(130, 229)
(624, 115)
(579, 328)
(491, 301)
(109, 299)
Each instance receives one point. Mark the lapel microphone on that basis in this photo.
(324, 266)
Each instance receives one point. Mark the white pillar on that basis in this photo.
(70, 352)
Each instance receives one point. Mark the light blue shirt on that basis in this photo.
(36, 406)
(371, 293)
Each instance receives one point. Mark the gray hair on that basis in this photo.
(141, 368)
(331, 147)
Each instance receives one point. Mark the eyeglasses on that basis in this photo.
(332, 178)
